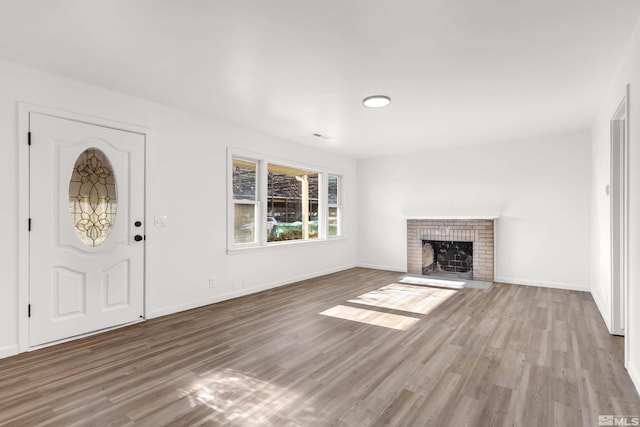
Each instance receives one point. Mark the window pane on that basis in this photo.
(333, 190)
(334, 222)
(92, 197)
(244, 223)
(292, 204)
(313, 187)
(244, 180)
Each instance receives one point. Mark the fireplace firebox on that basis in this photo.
(447, 258)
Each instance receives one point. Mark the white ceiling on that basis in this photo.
(458, 72)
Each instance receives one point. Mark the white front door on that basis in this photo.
(87, 228)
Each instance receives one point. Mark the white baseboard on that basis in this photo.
(383, 267)
(242, 292)
(605, 314)
(554, 285)
(9, 350)
(635, 378)
(182, 307)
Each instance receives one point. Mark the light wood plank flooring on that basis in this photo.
(513, 355)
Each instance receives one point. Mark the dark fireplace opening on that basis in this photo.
(447, 259)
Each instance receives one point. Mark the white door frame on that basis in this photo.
(619, 211)
(23, 204)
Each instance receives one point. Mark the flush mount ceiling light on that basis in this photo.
(376, 101)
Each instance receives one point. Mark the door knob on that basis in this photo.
(138, 224)
(138, 237)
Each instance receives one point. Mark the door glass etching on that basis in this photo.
(93, 197)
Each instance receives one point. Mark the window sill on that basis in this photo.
(281, 245)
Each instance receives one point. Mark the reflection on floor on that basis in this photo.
(238, 398)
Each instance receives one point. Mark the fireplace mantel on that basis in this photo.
(453, 217)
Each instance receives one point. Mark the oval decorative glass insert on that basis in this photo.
(93, 199)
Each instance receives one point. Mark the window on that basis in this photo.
(244, 175)
(93, 197)
(334, 203)
(272, 202)
(292, 203)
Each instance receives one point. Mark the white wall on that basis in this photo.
(629, 72)
(186, 158)
(539, 188)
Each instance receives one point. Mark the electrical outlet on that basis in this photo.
(212, 283)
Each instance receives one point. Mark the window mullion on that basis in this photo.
(262, 203)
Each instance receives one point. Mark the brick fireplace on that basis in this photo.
(479, 232)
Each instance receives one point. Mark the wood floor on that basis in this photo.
(512, 355)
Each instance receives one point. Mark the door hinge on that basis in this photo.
(29, 138)
(29, 311)
(29, 224)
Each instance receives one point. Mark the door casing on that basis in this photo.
(24, 210)
(619, 220)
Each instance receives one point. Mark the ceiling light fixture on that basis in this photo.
(376, 101)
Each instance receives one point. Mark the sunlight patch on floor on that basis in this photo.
(412, 299)
(371, 317)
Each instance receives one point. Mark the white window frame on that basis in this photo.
(262, 161)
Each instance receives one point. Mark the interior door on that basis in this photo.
(86, 245)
